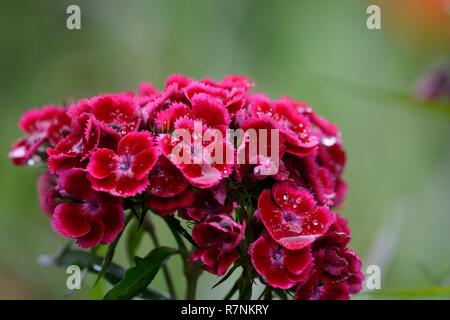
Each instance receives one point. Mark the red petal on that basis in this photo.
(135, 142)
(106, 185)
(297, 261)
(75, 182)
(291, 217)
(143, 163)
(166, 180)
(127, 187)
(113, 220)
(70, 220)
(225, 261)
(207, 109)
(94, 236)
(102, 163)
(166, 119)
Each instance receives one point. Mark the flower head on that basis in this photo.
(279, 267)
(46, 125)
(88, 216)
(292, 217)
(217, 236)
(125, 172)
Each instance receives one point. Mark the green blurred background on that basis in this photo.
(317, 51)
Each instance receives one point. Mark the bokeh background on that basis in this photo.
(321, 52)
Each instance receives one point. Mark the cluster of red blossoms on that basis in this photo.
(109, 152)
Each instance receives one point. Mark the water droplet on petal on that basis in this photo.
(328, 141)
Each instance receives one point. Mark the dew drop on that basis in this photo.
(328, 141)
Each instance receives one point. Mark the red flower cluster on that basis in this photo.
(108, 153)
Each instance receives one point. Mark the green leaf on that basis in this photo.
(84, 260)
(225, 277)
(281, 294)
(113, 274)
(98, 291)
(245, 288)
(137, 278)
(134, 238)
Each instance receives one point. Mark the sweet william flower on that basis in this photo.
(168, 190)
(46, 125)
(88, 216)
(231, 91)
(337, 274)
(295, 128)
(213, 119)
(97, 122)
(291, 215)
(125, 172)
(113, 113)
(279, 267)
(198, 168)
(166, 180)
(218, 237)
(337, 269)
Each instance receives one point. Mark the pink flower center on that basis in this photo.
(293, 222)
(290, 217)
(125, 162)
(277, 257)
(92, 206)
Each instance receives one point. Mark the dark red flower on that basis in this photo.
(66, 154)
(320, 172)
(85, 215)
(168, 189)
(124, 173)
(337, 274)
(46, 125)
(291, 216)
(231, 91)
(295, 128)
(165, 119)
(218, 237)
(279, 267)
(195, 156)
(166, 180)
(337, 269)
(262, 131)
(113, 113)
(173, 93)
(230, 94)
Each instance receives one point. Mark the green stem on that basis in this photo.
(192, 271)
(268, 293)
(232, 291)
(148, 226)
